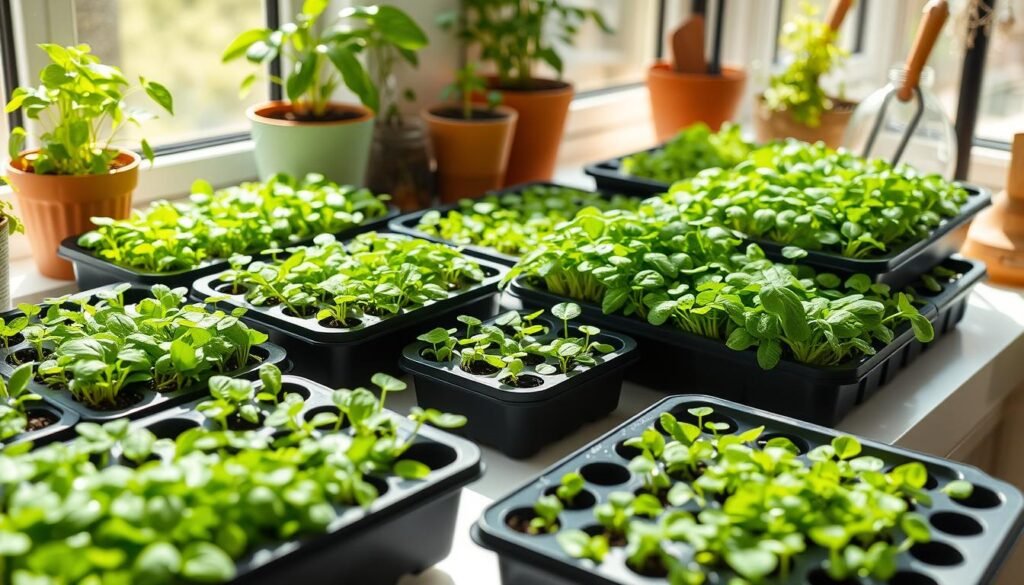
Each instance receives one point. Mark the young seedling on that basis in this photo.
(580, 545)
(442, 343)
(571, 485)
(14, 397)
(546, 510)
(566, 312)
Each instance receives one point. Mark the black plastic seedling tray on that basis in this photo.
(349, 356)
(970, 538)
(673, 360)
(408, 529)
(61, 429)
(519, 421)
(150, 401)
(407, 224)
(91, 271)
(608, 176)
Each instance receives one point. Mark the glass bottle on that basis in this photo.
(932, 146)
(400, 164)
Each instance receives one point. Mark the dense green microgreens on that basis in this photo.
(340, 283)
(818, 199)
(691, 151)
(243, 219)
(797, 89)
(666, 271)
(511, 223)
(143, 509)
(754, 507)
(98, 349)
(14, 399)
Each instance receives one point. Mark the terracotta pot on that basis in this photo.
(54, 207)
(338, 149)
(542, 111)
(773, 125)
(679, 100)
(471, 155)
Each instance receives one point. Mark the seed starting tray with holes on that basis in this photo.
(92, 271)
(519, 421)
(349, 356)
(408, 224)
(150, 400)
(971, 538)
(408, 529)
(674, 360)
(897, 267)
(60, 429)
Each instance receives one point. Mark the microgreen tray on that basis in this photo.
(346, 356)
(970, 537)
(407, 529)
(92, 271)
(150, 401)
(675, 360)
(519, 421)
(609, 177)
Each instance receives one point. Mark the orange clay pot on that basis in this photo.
(472, 155)
(774, 125)
(542, 109)
(679, 100)
(55, 207)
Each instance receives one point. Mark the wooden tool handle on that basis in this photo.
(1015, 179)
(935, 14)
(837, 13)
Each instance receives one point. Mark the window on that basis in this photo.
(1000, 113)
(178, 43)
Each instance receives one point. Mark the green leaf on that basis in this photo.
(313, 8)
(916, 527)
(16, 142)
(240, 44)
(204, 562)
(302, 76)
(846, 447)
(566, 311)
(958, 489)
(159, 94)
(409, 469)
(752, 563)
(769, 352)
(354, 75)
(147, 151)
(793, 253)
(387, 382)
(159, 563)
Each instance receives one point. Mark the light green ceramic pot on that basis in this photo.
(338, 149)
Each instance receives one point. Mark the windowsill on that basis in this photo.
(29, 286)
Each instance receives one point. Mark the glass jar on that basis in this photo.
(400, 164)
(932, 146)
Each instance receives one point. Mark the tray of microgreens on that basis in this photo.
(523, 379)
(697, 490)
(716, 315)
(652, 171)
(343, 310)
(124, 351)
(175, 242)
(280, 480)
(503, 225)
(25, 416)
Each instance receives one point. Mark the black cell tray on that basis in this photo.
(61, 430)
(408, 529)
(151, 401)
(407, 224)
(995, 507)
(91, 271)
(346, 357)
(897, 268)
(519, 421)
(673, 360)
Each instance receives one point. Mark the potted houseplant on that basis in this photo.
(795, 105)
(515, 36)
(76, 172)
(9, 225)
(471, 142)
(309, 132)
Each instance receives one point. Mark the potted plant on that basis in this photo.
(516, 36)
(795, 105)
(9, 225)
(309, 132)
(471, 142)
(77, 171)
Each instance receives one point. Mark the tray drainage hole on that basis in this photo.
(525, 381)
(820, 576)
(626, 452)
(911, 578)
(682, 414)
(800, 444)
(936, 553)
(303, 312)
(605, 474)
(379, 483)
(230, 288)
(172, 427)
(519, 520)
(956, 524)
(981, 498)
(332, 323)
(583, 500)
(433, 455)
(325, 422)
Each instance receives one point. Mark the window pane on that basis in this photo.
(789, 9)
(600, 60)
(1002, 94)
(177, 43)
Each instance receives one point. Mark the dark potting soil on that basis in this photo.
(124, 399)
(479, 114)
(40, 419)
(331, 115)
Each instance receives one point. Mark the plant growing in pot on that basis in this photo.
(9, 225)
(76, 172)
(308, 132)
(516, 36)
(471, 141)
(795, 105)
